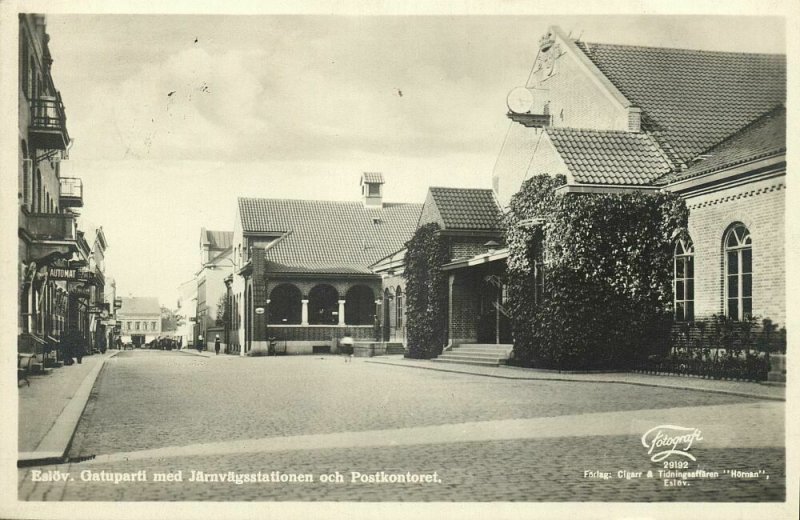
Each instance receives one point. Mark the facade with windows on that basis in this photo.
(60, 268)
(709, 126)
(139, 319)
(301, 275)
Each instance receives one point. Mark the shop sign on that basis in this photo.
(69, 274)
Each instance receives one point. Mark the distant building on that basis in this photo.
(303, 268)
(187, 310)
(215, 266)
(139, 319)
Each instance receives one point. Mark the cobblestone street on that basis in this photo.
(486, 439)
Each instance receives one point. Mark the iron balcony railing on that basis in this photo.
(49, 122)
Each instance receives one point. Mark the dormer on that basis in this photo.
(372, 189)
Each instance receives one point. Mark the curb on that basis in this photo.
(193, 352)
(574, 380)
(53, 448)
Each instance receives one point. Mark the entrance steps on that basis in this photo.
(481, 354)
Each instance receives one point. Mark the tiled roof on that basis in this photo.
(692, 99)
(605, 157)
(219, 239)
(764, 137)
(328, 236)
(467, 208)
(373, 177)
(139, 305)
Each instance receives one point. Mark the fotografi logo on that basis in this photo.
(665, 440)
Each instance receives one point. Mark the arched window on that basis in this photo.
(284, 305)
(683, 279)
(738, 273)
(359, 307)
(323, 305)
(399, 308)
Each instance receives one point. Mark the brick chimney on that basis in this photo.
(372, 189)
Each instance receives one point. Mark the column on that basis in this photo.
(304, 315)
(341, 312)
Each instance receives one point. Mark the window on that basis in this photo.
(152, 325)
(738, 273)
(683, 288)
(399, 307)
(136, 325)
(374, 190)
(128, 325)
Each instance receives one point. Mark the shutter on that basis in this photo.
(27, 180)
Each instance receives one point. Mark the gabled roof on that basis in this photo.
(466, 208)
(692, 99)
(764, 137)
(328, 236)
(609, 157)
(217, 239)
(139, 305)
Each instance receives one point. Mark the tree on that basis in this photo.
(170, 320)
(222, 310)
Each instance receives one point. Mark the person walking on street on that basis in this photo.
(216, 344)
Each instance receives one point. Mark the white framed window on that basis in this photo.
(738, 272)
(683, 279)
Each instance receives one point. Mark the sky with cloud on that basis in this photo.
(174, 116)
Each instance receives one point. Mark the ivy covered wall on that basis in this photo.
(426, 292)
(607, 274)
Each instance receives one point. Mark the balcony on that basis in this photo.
(48, 234)
(48, 128)
(71, 194)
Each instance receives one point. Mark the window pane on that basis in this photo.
(747, 285)
(689, 311)
(733, 309)
(733, 286)
(732, 242)
(747, 261)
(690, 289)
(680, 311)
(747, 306)
(733, 262)
(679, 294)
(690, 267)
(680, 267)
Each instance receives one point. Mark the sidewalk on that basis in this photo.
(49, 409)
(740, 388)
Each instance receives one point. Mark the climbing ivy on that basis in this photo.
(608, 274)
(426, 292)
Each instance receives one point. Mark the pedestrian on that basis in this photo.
(200, 343)
(216, 344)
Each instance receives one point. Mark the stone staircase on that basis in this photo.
(482, 354)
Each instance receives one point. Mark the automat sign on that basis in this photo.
(71, 275)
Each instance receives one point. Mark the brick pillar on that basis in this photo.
(341, 312)
(304, 312)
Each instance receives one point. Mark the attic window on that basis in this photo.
(374, 189)
(376, 220)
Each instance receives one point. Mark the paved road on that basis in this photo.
(485, 439)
